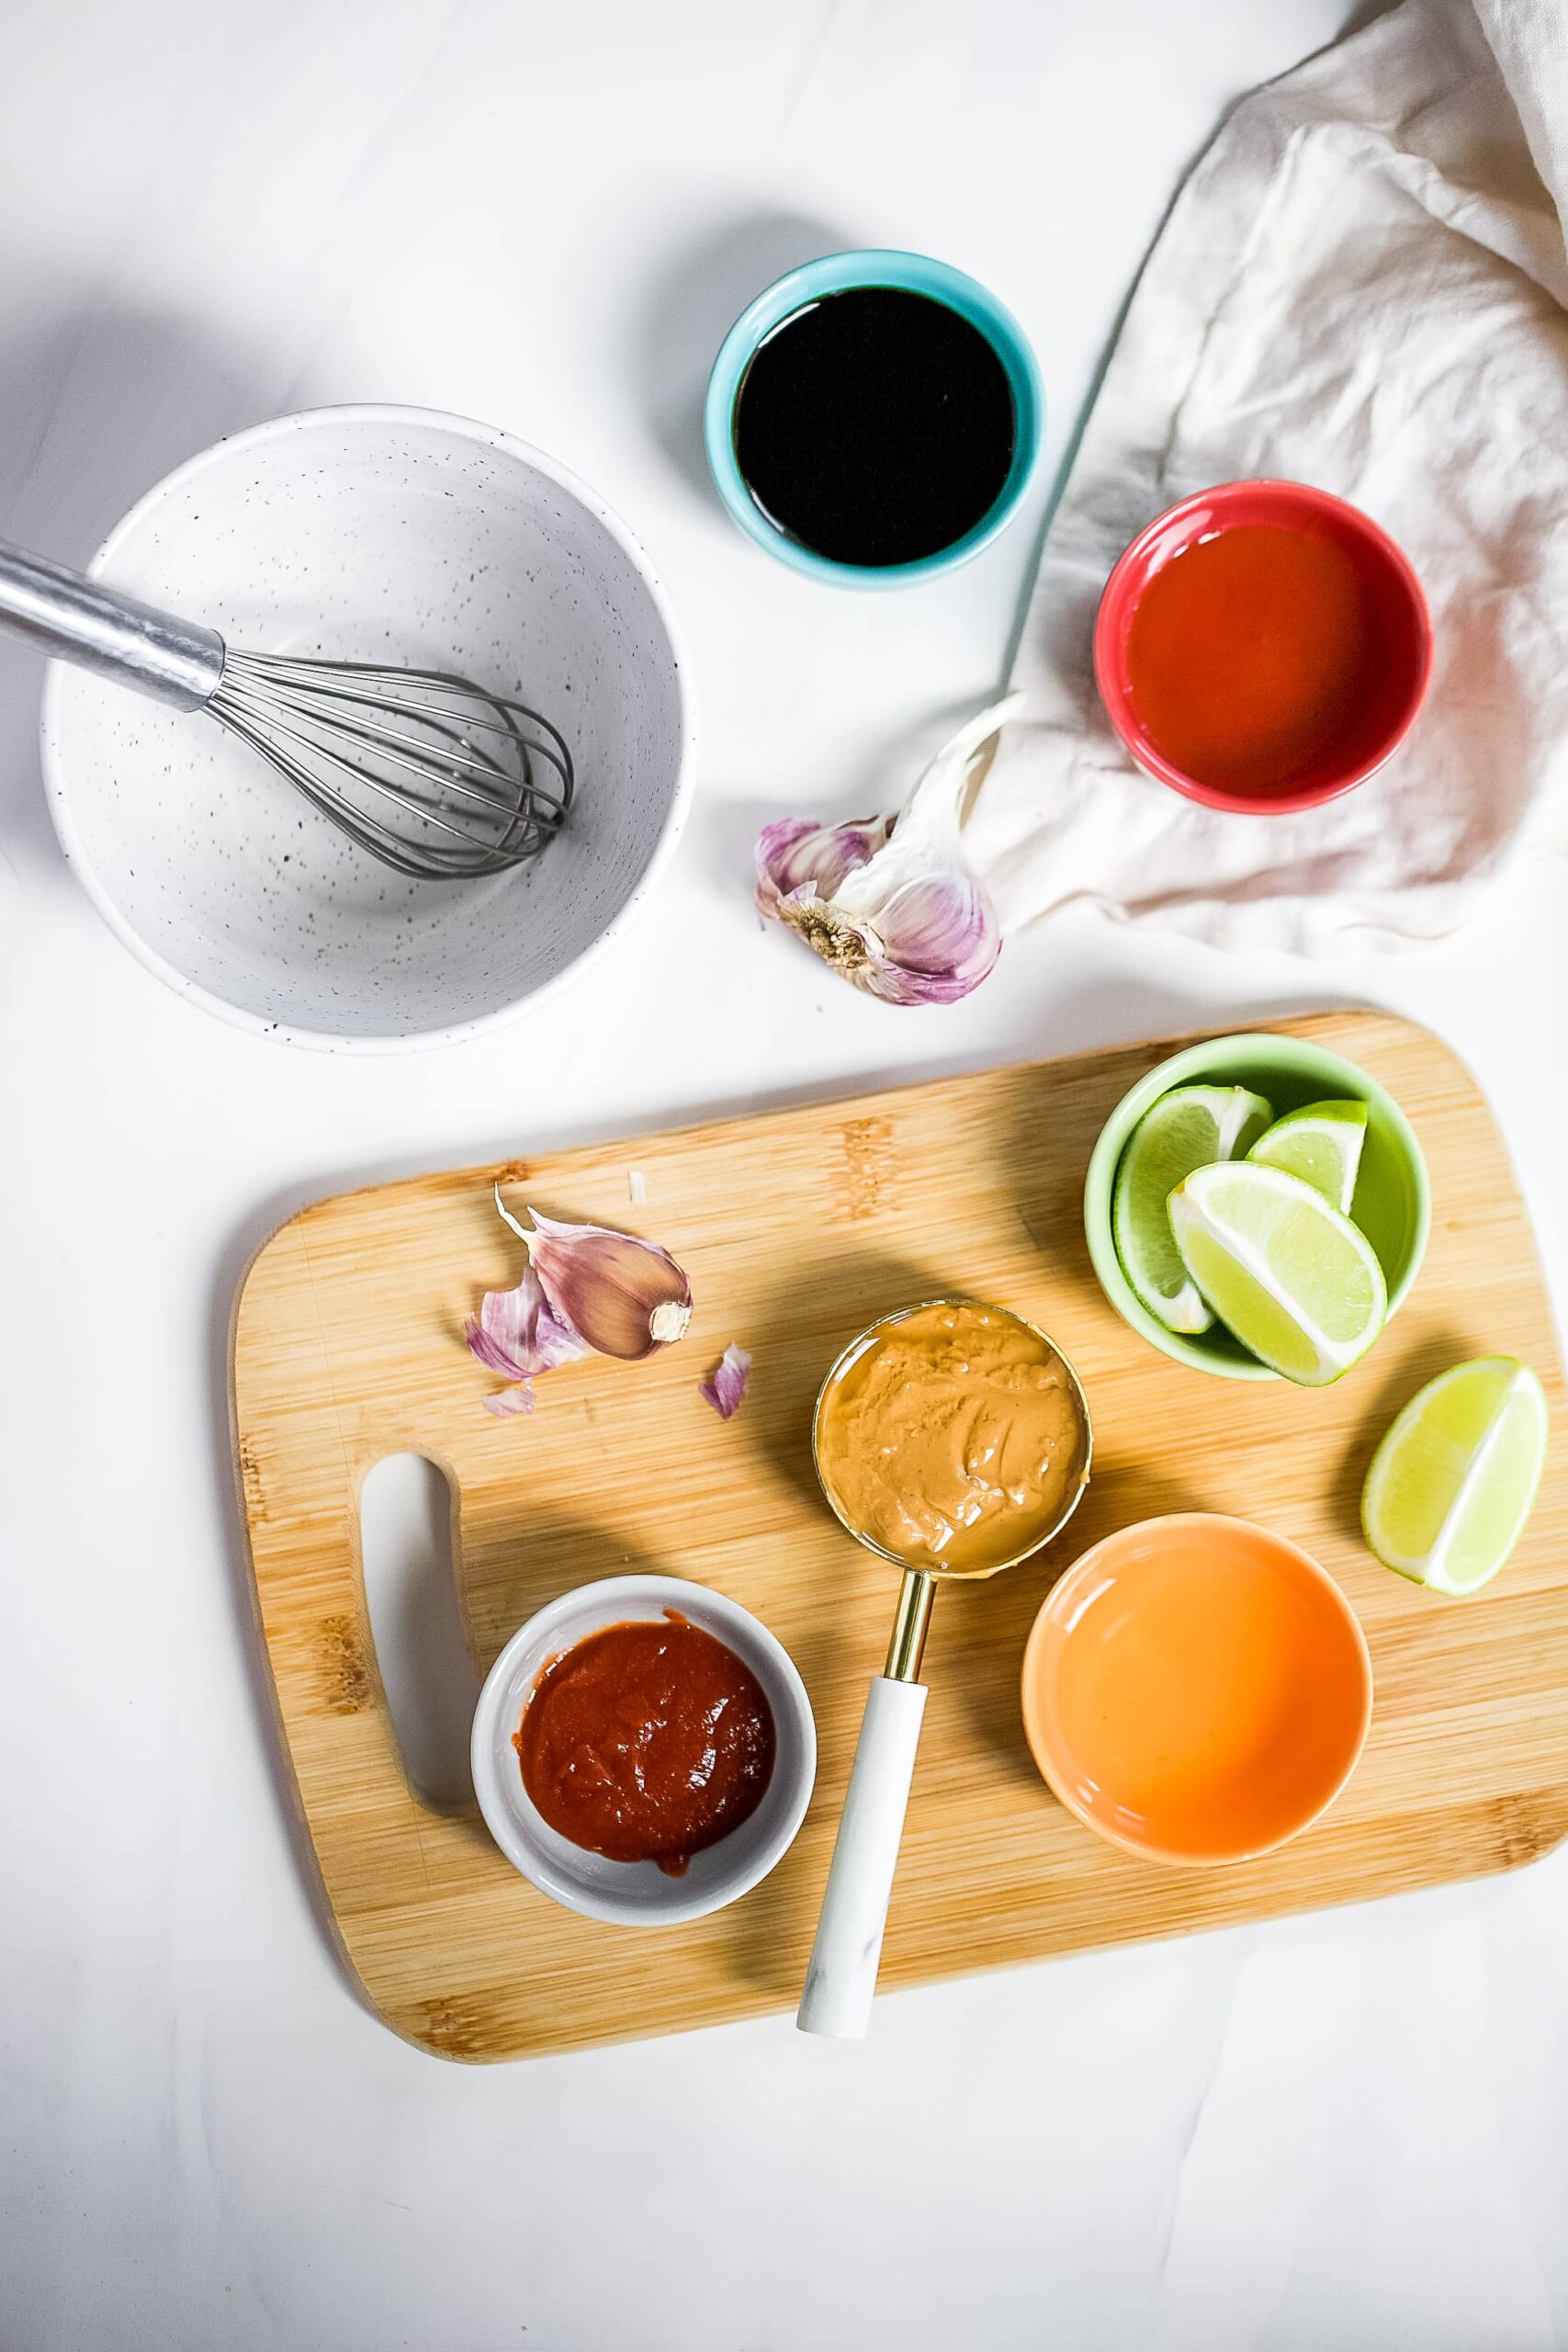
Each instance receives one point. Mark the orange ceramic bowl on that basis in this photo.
(1196, 1690)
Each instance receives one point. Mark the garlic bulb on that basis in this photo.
(892, 903)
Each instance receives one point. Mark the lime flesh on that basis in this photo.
(1186, 1128)
(1282, 1268)
(1322, 1144)
(1454, 1480)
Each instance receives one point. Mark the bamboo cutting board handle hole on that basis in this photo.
(416, 1625)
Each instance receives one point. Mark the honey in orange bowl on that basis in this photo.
(1196, 1690)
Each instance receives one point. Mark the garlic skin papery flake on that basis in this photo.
(892, 903)
(586, 1290)
(725, 1387)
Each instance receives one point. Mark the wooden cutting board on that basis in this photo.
(796, 1228)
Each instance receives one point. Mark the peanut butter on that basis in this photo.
(953, 1437)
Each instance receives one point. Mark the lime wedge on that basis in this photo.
(1322, 1144)
(1186, 1130)
(1290, 1275)
(1455, 1478)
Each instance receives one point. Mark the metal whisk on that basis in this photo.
(437, 778)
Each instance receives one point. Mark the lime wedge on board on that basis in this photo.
(1185, 1129)
(1454, 1480)
(1288, 1274)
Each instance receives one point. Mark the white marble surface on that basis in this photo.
(1349, 2131)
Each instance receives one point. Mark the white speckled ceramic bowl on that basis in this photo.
(367, 532)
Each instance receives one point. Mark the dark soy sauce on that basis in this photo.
(875, 427)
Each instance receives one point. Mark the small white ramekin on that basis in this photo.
(640, 1894)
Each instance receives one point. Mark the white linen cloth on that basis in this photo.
(1364, 285)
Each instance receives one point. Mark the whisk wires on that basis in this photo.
(439, 778)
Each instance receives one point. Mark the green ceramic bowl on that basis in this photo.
(1393, 1194)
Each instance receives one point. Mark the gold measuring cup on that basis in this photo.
(841, 1976)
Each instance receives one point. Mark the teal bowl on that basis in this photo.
(836, 274)
(1393, 1194)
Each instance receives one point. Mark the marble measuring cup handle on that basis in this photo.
(841, 1976)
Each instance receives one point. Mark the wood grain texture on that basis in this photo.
(796, 1228)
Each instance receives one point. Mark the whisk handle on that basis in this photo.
(98, 628)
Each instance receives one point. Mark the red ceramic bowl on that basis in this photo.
(1392, 600)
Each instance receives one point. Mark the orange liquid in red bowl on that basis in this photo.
(1196, 1689)
(1259, 657)
(1262, 646)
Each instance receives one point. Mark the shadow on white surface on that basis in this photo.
(691, 306)
(96, 409)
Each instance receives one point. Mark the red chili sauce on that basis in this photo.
(1258, 657)
(647, 1742)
